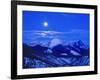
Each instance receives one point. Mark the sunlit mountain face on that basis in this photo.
(59, 37)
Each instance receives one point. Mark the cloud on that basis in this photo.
(54, 33)
(43, 33)
(77, 31)
(48, 32)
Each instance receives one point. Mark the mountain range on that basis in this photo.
(55, 54)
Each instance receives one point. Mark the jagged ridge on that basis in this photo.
(57, 55)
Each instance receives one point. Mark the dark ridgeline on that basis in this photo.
(59, 49)
(39, 56)
(37, 49)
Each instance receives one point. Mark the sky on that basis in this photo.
(44, 26)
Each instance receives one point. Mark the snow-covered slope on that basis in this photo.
(55, 42)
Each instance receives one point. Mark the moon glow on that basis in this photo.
(45, 24)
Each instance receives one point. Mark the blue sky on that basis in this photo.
(43, 26)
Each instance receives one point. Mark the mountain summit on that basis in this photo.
(55, 42)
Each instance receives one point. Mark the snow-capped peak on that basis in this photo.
(55, 42)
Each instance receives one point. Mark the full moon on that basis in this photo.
(45, 24)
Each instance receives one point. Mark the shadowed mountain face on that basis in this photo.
(59, 49)
(59, 55)
(37, 49)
